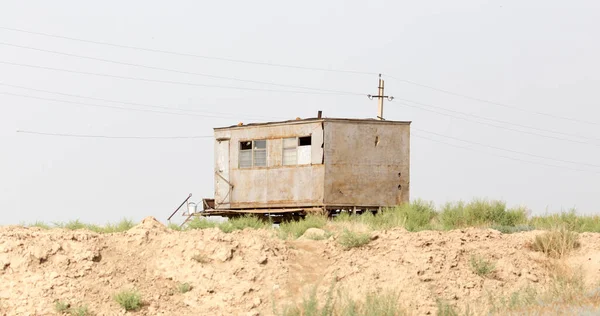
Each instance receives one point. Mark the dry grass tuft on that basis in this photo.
(556, 243)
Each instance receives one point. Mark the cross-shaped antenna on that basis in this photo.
(380, 98)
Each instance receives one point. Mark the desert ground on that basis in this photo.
(208, 271)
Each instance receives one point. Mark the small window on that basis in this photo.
(304, 141)
(260, 153)
(290, 153)
(253, 154)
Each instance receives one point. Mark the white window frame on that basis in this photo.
(253, 151)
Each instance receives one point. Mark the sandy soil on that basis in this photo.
(250, 272)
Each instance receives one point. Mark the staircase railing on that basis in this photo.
(180, 206)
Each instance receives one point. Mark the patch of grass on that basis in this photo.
(295, 229)
(415, 216)
(61, 307)
(374, 304)
(481, 267)
(80, 311)
(200, 223)
(445, 309)
(570, 220)
(350, 239)
(239, 223)
(184, 287)
(123, 225)
(174, 226)
(556, 243)
(40, 225)
(513, 229)
(481, 212)
(324, 236)
(130, 300)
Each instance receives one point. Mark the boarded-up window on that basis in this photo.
(296, 151)
(304, 150)
(290, 154)
(253, 154)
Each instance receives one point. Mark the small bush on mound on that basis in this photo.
(184, 287)
(61, 307)
(295, 229)
(482, 267)
(40, 224)
(200, 223)
(174, 226)
(445, 309)
(130, 300)
(349, 239)
(80, 311)
(239, 223)
(556, 243)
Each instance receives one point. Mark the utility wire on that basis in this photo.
(502, 127)
(506, 157)
(190, 54)
(178, 71)
(111, 107)
(504, 149)
(216, 114)
(498, 121)
(111, 137)
(495, 103)
(168, 81)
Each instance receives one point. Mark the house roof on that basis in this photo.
(315, 119)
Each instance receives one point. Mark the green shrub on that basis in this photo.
(40, 225)
(570, 220)
(61, 307)
(174, 226)
(296, 229)
(184, 287)
(513, 229)
(239, 223)
(482, 267)
(201, 223)
(80, 311)
(480, 212)
(349, 239)
(130, 300)
(556, 243)
(445, 309)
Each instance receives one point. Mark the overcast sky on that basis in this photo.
(534, 62)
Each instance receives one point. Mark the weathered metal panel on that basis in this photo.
(275, 185)
(367, 163)
(222, 186)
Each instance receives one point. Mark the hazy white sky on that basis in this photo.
(532, 56)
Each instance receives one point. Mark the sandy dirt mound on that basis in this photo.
(248, 272)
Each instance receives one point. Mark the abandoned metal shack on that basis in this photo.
(305, 165)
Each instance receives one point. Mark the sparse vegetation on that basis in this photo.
(239, 223)
(61, 307)
(174, 226)
(80, 311)
(201, 223)
(556, 243)
(121, 226)
(350, 239)
(445, 309)
(130, 300)
(481, 267)
(184, 287)
(374, 304)
(296, 229)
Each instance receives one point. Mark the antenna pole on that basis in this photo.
(380, 96)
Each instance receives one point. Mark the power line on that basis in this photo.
(111, 137)
(203, 113)
(168, 81)
(508, 150)
(498, 121)
(506, 157)
(177, 71)
(494, 103)
(110, 106)
(502, 127)
(190, 54)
